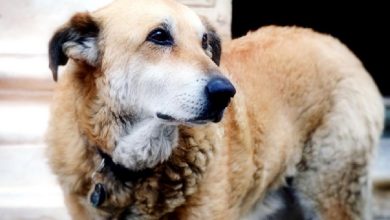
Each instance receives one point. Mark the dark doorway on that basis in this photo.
(362, 27)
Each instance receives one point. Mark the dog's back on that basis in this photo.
(306, 100)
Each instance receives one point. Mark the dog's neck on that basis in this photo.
(178, 176)
(145, 144)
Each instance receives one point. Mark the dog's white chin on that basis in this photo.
(150, 142)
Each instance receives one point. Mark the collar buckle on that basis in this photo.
(99, 169)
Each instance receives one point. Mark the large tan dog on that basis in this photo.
(132, 136)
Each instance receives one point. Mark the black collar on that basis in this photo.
(116, 172)
(119, 172)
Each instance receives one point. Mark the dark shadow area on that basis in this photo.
(293, 209)
(362, 27)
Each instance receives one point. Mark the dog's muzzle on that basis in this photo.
(218, 92)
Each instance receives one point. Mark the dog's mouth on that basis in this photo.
(199, 120)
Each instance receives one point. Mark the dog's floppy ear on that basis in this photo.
(76, 40)
(214, 41)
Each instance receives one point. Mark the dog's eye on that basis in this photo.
(204, 41)
(161, 37)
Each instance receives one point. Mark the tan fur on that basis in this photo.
(305, 107)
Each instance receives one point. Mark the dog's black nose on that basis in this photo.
(219, 91)
(220, 88)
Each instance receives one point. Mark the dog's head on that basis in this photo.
(157, 59)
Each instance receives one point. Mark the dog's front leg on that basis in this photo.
(147, 144)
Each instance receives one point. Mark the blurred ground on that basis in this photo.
(381, 192)
(381, 204)
(28, 190)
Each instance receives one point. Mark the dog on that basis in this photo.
(154, 118)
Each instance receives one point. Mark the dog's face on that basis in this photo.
(157, 58)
